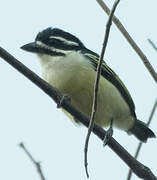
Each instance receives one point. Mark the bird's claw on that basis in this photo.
(63, 99)
(108, 135)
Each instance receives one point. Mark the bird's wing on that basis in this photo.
(112, 77)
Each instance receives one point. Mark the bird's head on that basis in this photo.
(54, 42)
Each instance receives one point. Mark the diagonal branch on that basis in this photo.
(36, 164)
(140, 144)
(153, 45)
(139, 169)
(131, 41)
(96, 85)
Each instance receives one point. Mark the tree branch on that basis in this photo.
(139, 169)
(153, 45)
(131, 41)
(96, 85)
(140, 144)
(36, 164)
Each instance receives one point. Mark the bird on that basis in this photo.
(70, 67)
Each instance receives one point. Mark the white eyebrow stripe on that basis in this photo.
(65, 40)
(53, 49)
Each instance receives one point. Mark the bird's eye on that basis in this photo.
(52, 41)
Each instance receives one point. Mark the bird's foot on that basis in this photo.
(65, 98)
(108, 135)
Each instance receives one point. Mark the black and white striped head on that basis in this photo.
(54, 42)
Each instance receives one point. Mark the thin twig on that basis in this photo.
(36, 164)
(140, 144)
(138, 168)
(96, 85)
(131, 41)
(153, 45)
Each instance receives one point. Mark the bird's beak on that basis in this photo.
(34, 48)
(31, 47)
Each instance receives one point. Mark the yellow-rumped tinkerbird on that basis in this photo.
(71, 67)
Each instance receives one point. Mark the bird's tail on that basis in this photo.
(141, 131)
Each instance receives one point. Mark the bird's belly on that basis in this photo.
(110, 103)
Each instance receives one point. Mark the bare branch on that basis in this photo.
(96, 85)
(131, 41)
(139, 169)
(153, 45)
(140, 144)
(36, 164)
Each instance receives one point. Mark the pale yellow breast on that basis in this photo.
(76, 79)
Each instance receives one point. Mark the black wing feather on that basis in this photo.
(112, 77)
